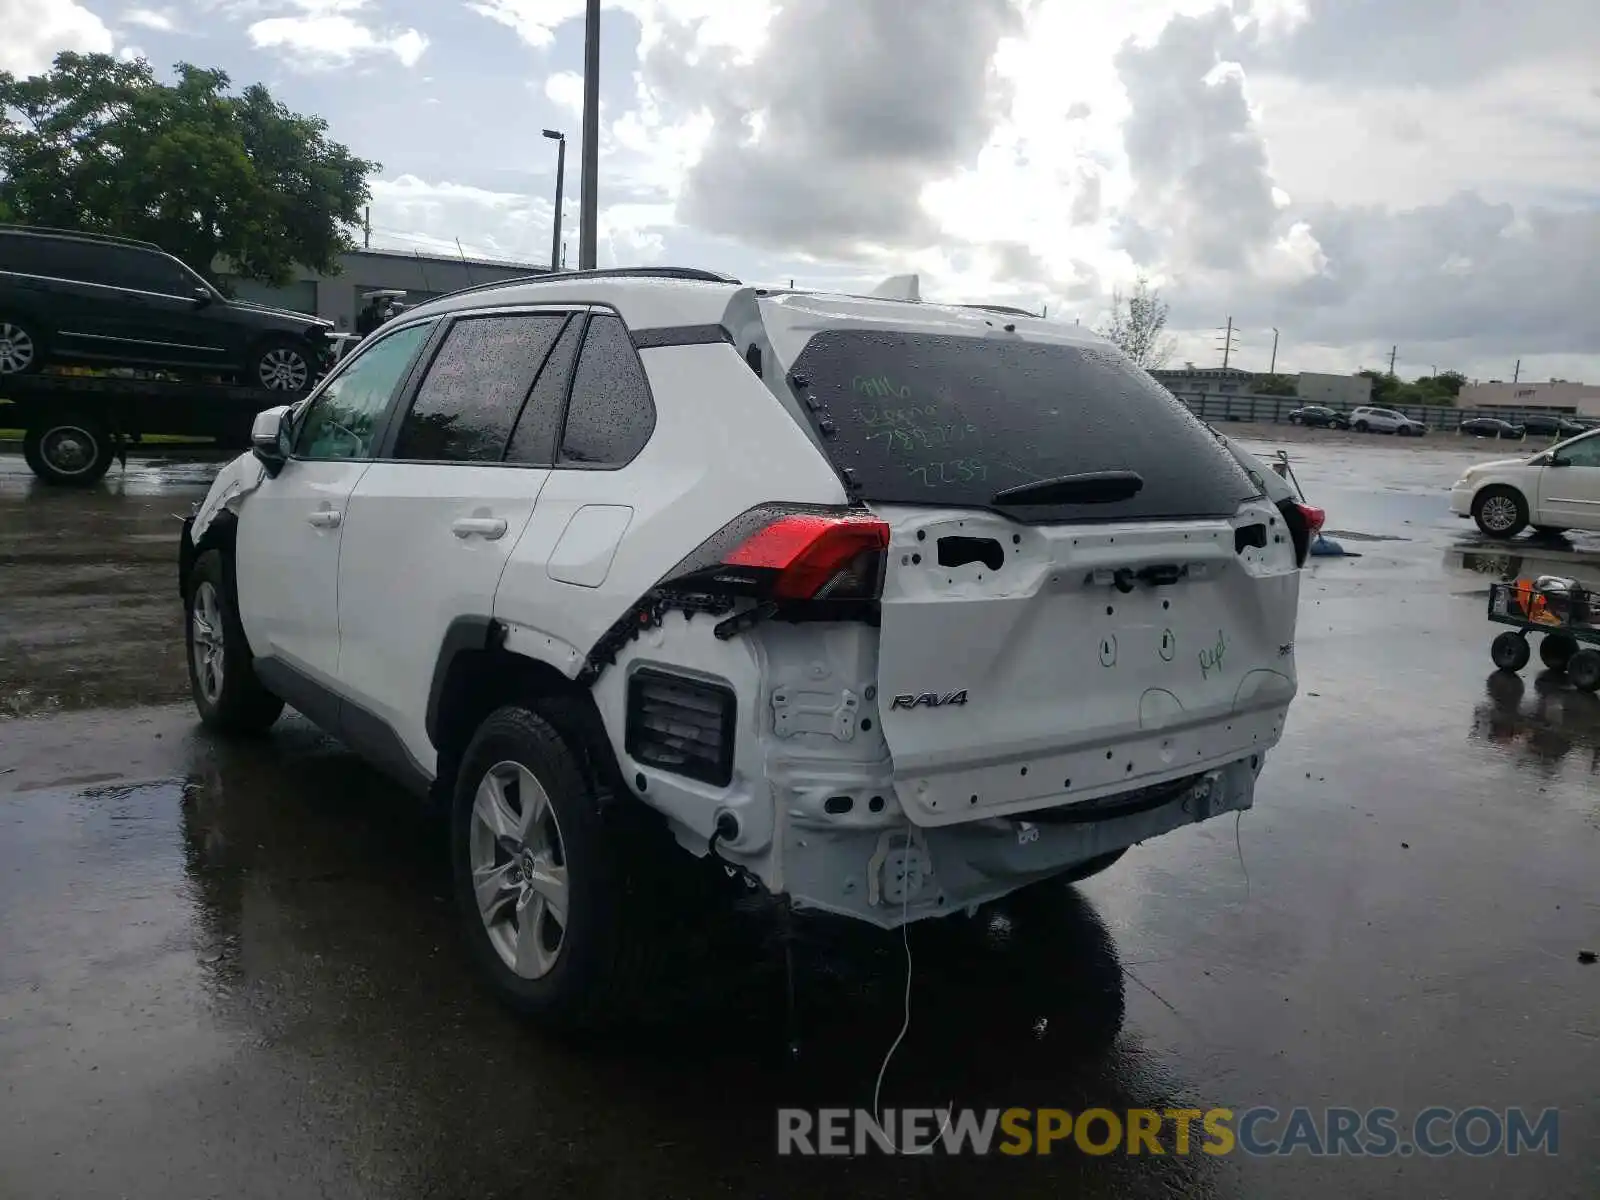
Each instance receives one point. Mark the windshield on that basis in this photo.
(935, 419)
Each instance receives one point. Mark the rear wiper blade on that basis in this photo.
(1090, 487)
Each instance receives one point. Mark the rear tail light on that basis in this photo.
(789, 554)
(1304, 523)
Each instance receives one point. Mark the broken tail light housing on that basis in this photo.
(1304, 523)
(791, 555)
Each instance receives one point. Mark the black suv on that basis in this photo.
(94, 299)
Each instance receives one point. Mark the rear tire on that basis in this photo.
(222, 675)
(1556, 650)
(574, 962)
(22, 347)
(69, 450)
(1583, 670)
(282, 364)
(1510, 651)
(1500, 512)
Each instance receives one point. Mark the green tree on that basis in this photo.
(1137, 325)
(104, 146)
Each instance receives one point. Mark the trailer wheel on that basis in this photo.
(71, 449)
(1556, 650)
(1583, 670)
(1510, 651)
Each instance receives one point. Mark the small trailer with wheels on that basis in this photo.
(75, 426)
(1562, 612)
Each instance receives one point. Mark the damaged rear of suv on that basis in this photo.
(894, 608)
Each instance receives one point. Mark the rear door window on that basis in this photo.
(533, 441)
(953, 421)
(610, 415)
(468, 401)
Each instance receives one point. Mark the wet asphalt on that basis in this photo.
(231, 969)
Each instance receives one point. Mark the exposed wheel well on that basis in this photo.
(478, 681)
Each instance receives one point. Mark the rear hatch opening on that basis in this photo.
(1084, 593)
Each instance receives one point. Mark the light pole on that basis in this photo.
(560, 139)
(1273, 369)
(590, 200)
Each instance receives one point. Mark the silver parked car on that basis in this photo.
(1385, 420)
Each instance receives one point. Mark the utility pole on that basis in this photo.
(1273, 369)
(1516, 375)
(560, 139)
(366, 228)
(589, 215)
(1393, 350)
(1227, 344)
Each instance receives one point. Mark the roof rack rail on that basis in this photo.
(84, 234)
(690, 273)
(1005, 309)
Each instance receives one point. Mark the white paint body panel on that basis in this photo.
(407, 572)
(721, 446)
(291, 531)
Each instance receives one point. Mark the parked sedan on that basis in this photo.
(1552, 425)
(1491, 427)
(1316, 414)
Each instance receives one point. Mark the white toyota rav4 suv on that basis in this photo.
(892, 607)
(1555, 490)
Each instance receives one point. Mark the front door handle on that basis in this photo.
(489, 528)
(326, 518)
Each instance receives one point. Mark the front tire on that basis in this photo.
(69, 450)
(222, 677)
(1362, 427)
(540, 877)
(284, 365)
(1500, 512)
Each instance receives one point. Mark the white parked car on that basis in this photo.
(892, 607)
(1553, 491)
(1385, 420)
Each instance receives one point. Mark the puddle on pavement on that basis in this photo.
(1545, 721)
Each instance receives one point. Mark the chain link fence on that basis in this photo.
(1273, 409)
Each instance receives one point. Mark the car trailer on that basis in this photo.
(1562, 613)
(75, 426)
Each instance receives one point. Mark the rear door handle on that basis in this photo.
(489, 528)
(326, 518)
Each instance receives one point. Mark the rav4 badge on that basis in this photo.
(929, 700)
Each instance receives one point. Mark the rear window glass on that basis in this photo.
(945, 420)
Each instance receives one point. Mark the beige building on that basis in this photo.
(1560, 395)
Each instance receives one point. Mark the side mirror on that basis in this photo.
(270, 437)
(1555, 460)
(201, 297)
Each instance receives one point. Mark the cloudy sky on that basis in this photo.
(1357, 173)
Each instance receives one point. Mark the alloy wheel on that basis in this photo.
(1499, 513)
(16, 349)
(283, 370)
(208, 641)
(519, 869)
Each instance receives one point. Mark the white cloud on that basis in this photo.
(325, 34)
(150, 18)
(35, 31)
(535, 21)
(565, 89)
